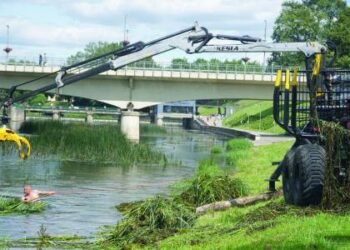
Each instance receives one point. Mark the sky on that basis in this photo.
(60, 28)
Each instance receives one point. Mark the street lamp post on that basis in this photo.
(7, 49)
(265, 30)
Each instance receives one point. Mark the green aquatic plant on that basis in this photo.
(152, 129)
(15, 205)
(90, 143)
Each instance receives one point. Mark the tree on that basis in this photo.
(38, 99)
(180, 63)
(310, 20)
(93, 49)
(340, 35)
(330, 8)
(296, 23)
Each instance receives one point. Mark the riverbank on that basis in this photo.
(266, 225)
(272, 224)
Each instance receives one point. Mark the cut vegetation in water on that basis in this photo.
(154, 219)
(15, 205)
(81, 142)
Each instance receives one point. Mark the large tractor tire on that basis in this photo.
(306, 177)
(287, 184)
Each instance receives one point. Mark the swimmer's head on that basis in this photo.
(27, 189)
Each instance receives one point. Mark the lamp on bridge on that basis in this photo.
(8, 49)
(245, 59)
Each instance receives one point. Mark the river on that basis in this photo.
(87, 193)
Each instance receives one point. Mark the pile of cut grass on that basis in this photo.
(210, 184)
(89, 143)
(15, 205)
(336, 141)
(147, 222)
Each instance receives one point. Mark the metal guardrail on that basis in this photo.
(160, 66)
(74, 109)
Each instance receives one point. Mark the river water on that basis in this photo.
(87, 193)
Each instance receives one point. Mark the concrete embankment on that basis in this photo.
(257, 137)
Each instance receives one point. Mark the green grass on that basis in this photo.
(247, 116)
(90, 143)
(15, 205)
(239, 144)
(215, 150)
(209, 110)
(237, 150)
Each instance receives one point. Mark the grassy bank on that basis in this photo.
(81, 142)
(247, 116)
(266, 225)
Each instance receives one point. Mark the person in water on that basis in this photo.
(30, 195)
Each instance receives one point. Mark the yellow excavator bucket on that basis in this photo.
(22, 143)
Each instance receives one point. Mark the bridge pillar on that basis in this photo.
(187, 123)
(89, 119)
(159, 120)
(55, 115)
(17, 117)
(130, 125)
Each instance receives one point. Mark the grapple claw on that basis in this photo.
(22, 143)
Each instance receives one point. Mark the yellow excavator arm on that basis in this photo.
(22, 143)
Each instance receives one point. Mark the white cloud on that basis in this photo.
(147, 20)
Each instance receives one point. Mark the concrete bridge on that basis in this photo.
(145, 86)
(150, 86)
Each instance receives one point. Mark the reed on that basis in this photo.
(90, 143)
(152, 129)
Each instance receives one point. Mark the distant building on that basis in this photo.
(177, 107)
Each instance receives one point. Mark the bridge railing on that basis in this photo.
(218, 67)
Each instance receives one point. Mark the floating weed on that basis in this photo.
(15, 205)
